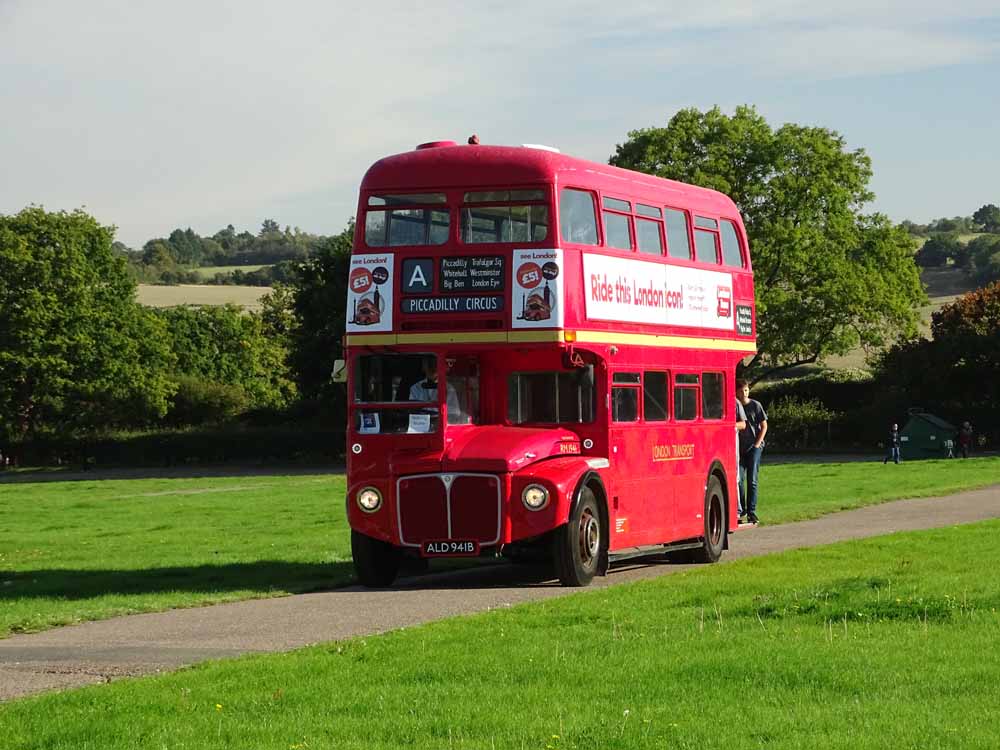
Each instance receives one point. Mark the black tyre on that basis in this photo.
(715, 524)
(579, 545)
(375, 563)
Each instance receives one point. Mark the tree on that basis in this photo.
(318, 306)
(226, 346)
(828, 277)
(941, 248)
(953, 374)
(76, 350)
(985, 254)
(988, 217)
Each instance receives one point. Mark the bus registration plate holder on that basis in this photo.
(449, 548)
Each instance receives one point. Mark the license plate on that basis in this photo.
(450, 548)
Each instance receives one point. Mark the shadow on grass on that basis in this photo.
(263, 576)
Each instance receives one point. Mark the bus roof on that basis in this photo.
(447, 165)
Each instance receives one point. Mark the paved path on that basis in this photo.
(142, 644)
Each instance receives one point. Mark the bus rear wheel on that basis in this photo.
(579, 544)
(715, 524)
(376, 563)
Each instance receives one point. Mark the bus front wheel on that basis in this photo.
(580, 543)
(375, 563)
(715, 524)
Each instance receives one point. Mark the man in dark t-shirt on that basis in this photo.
(751, 447)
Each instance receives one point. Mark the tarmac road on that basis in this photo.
(98, 652)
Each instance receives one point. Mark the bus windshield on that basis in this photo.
(557, 397)
(413, 378)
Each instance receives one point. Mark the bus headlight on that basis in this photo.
(535, 497)
(369, 499)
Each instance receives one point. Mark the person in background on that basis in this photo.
(751, 447)
(892, 445)
(965, 439)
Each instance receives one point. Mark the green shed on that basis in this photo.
(924, 436)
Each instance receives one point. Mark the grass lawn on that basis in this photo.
(88, 550)
(72, 551)
(795, 492)
(887, 642)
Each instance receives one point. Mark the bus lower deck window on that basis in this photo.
(711, 395)
(551, 397)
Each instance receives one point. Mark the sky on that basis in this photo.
(154, 115)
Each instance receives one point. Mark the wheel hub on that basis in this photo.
(590, 536)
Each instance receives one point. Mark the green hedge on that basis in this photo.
(187, 447)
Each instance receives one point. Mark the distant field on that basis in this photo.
(963, 238)
(199, 294)
(943, 285)
(207, 272)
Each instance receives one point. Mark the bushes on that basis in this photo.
(199, 401)
(796, 424)
(228, 347)
(186, 447)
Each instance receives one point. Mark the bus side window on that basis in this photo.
(625, 398)
(617, 226)
(654, 396)
(706, 244)
(577, 217)
(711, 395)
(731, 255)
(685, 397)
(678, 242)
(647, 235)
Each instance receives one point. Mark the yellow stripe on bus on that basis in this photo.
(538, 337)
(652, 339)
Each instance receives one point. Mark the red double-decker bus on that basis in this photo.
(541, 354)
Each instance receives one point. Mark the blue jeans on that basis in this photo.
(893, 454)
(749, 470)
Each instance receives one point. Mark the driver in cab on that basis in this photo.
(427, 390)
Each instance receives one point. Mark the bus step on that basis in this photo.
(653, 549)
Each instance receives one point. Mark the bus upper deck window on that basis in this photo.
(577, 217)
(647, 235)
(678, 243)
(731, 255)
(617, 226)
(505, 216)
(706, 246)
(393, 220)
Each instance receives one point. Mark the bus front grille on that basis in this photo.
(448, 506)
